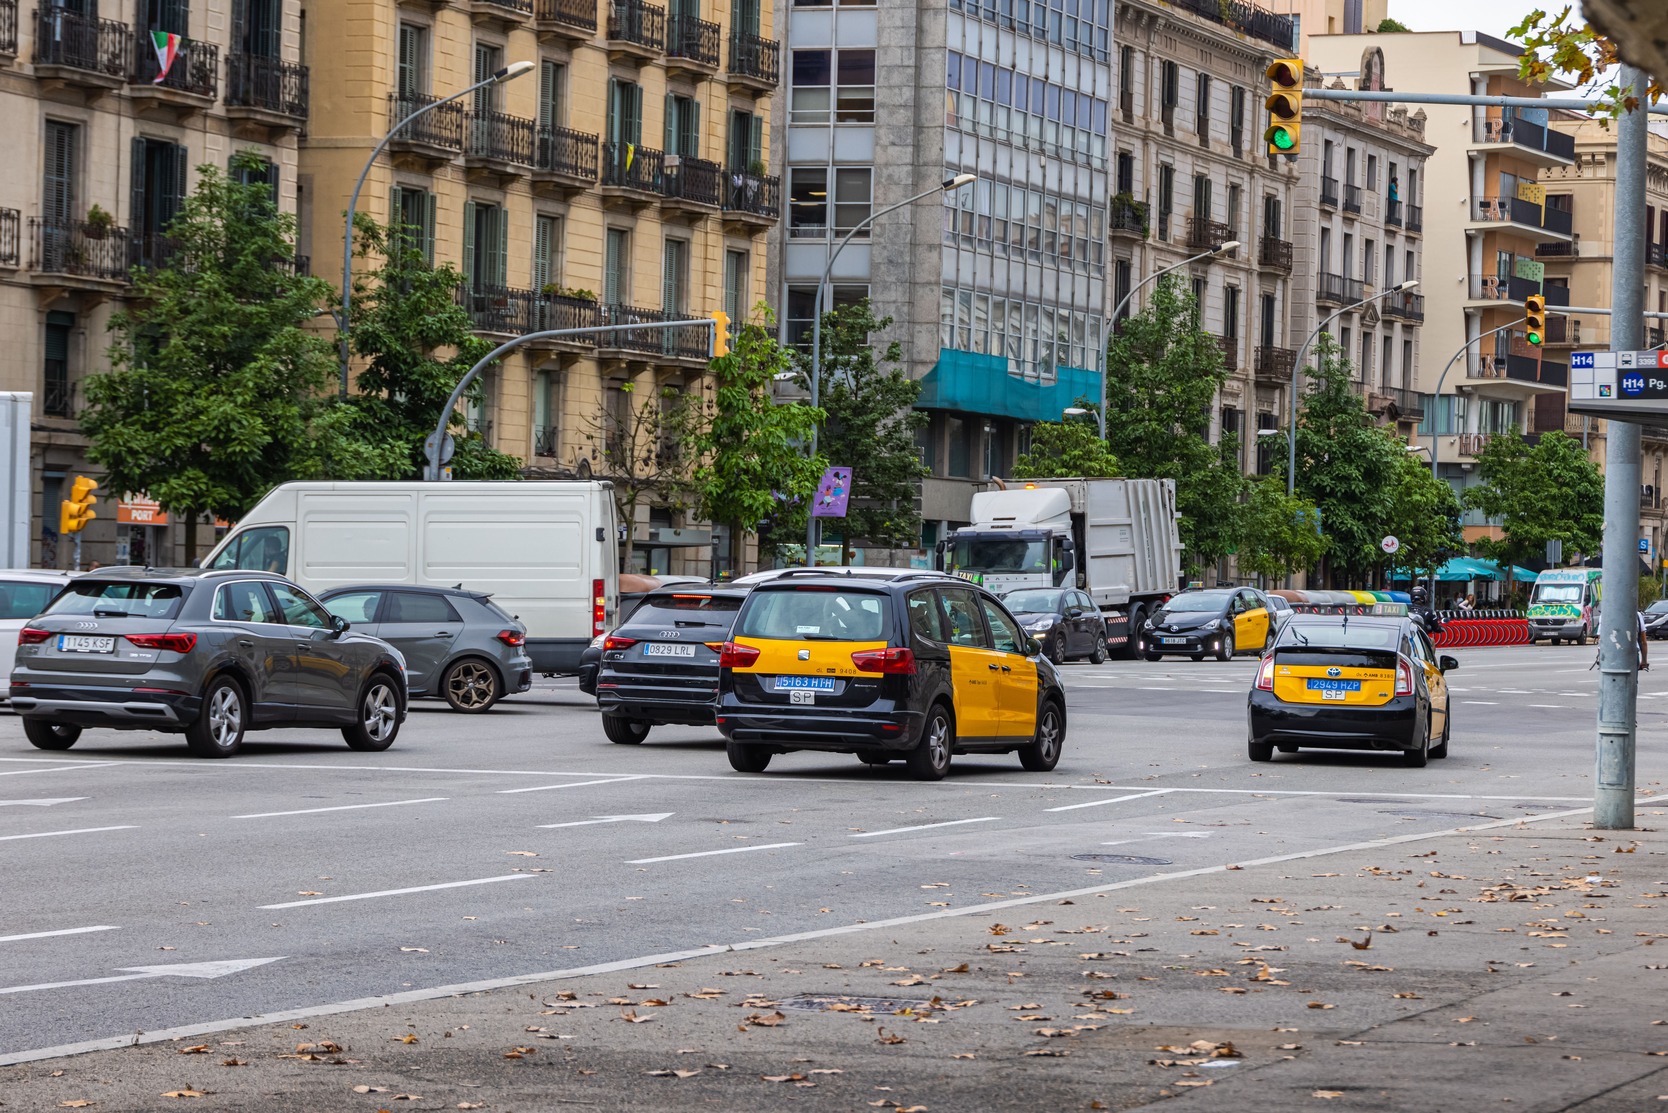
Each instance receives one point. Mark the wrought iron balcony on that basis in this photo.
(691, 181)
(72, 44)
(1403, 404)
(8, 27)
(1329, 191)
(514, 9)
(499, 140)
(1338, 290)
(1207, 234)
(545, 440)
(58, 397)
(752, 198)
(11, 238)
(688, 342)
(1405, 305)
(79, 249)
(1127, 217)
(1513, 127)
(692, 41)
(563, 153)
(1275, 364)
(1393, 212)
(267, 86)
(1352, 198)
(196, 68)
(755, 61)
(1564, 251)
(150, 250)
(564, 16)
(438, 131)
(1230, 351)
(1275, 253)
(1415, 218)
(629, 167)
(636, 26)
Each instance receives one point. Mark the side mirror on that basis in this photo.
(339, 625)
(1033, 648)
(1076, 612)
(1447, 663)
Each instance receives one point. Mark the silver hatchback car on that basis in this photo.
(210, 654)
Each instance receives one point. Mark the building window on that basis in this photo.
(553, 85)
(1166, 198)
(1272, 222)
(411, 75)
(1267, 446)
(1236, 193)
(59, 209)
(1372, 172)
(683, 126)
(1201, 197)
(489, 59)
(1230, 312)
(1169, 93)
(158, 193)
(1200, 288)
(958, 435)
(1126, 83)
(616, 263)
(674, 277)
(1407, 364)
(257, 26)
(1267, 321)
(547, 252)
(1121, 272)
(547, 410)
(1384, 360)
(265, 174)
(413, 214)
(746, 148)
(625, 113)
(808, 199)
(1201, 108)
(842, 80)
(1126, 173)
(1369, 261)
(736, 267)
(802, 309)
(1236, 119)
(486, 237)
(58, 399)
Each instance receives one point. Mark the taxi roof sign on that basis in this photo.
(1389, 610)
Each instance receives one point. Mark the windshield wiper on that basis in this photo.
(106, 612)
(822, 638)
(692, 622)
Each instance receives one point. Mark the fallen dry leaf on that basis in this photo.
(195, 1049)
(1326, 1094)
(370, 1089)
(77, 1103)
(522, 853)
(883, 1037)
(234, 1062)
(184, 1094)
(409, 1037)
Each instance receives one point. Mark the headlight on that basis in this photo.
(1213, 624)
(1042, 622)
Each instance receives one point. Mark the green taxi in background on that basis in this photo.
(1343, 682)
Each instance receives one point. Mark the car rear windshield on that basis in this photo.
(119, 599)
(687, 609)
(24, 600)
(1307, 635)
(815, 614)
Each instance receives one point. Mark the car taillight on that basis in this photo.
(1265, 675)
(732, 655)
(614, 642)
(512, 637)
(599, 608)
(889, 662)
(31, 635)
(174, 643)
(1404, 678)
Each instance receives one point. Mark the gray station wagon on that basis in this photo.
(210, 654)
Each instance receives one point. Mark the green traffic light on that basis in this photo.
(1535, 339)
(1282, 139)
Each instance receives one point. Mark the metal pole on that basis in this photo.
(1613, 779)
(514, 70)
(816, 327)
(1579, 104)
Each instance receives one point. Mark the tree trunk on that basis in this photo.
(190, 538)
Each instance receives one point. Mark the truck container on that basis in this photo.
(15, 410)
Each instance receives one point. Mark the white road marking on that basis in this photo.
(1339, 792)
(1112, 800)
(402, 892)
(77, 831)
(343, 808)
(1150, 835)
(59, 768)
(1156, 689)
(1548, 706)
(1481, 702)
(927, 826)
(138, 973)
(435, 993)
(646, 817)
(63, 931)
(572, 784)
(710, 853)
(44, 802)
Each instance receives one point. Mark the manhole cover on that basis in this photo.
(1421, 813)
(810, 1002)
(1121, 859)
(1536, 807)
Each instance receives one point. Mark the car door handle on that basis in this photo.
(443, 634)
(993, 668)
(1007, 668)
(245, 643)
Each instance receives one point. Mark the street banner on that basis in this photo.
(833, 493)
(167, 46)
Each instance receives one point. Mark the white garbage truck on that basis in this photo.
(1116, 539)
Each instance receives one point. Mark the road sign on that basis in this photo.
(1390, 544)
(1645, 546)
(1632, 386)
(447, 447)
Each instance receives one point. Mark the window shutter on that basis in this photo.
(542, 229)
(272, 181)
(176, 17)
(549, 90)
(755, 142)
(671, 145)
(429, 222)
(469, 276)
(690, 141)
(58, 203)
(669, 277)
(408, 65)
(137, 214)
(500, 261)
(634, 117)
(176, 190)
(613, 276)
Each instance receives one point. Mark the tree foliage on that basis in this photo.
(1279, 531)
(1557, 45)
(647, 451)
(1424, 516)
(215, 387)
(1544, 492)
(1390, 26)
(1071, 447)
(1162, 377)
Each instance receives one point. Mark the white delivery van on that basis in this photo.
(546, 551)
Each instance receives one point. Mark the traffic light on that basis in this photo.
(76, 511)
(1534, 317)
(1285, 106)
(720, 334)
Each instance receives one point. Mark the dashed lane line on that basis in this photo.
(926, 827)
(710, 853)
(1112, 800)
(343, 808)
(77, 831)
(402, 892)
(61, 931)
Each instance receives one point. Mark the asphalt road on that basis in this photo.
(523, 842)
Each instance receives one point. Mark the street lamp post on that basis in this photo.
(816, 326)
(513, 70)
(1111, 326)
(1297, 366)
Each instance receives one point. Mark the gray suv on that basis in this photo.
(210, 654)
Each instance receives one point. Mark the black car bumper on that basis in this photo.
(1397, 725)
(809, 728)
(106, 707)
(524, 681)
(659, 708)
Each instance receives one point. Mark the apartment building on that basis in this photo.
(1330, 17)
(1483, 239)
(101, 158)
(1358, 229)
(622, 181)
(1191, 172)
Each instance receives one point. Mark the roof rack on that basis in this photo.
(848, 573)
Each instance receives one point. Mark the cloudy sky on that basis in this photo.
(1493, 17)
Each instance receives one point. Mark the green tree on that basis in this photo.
(1540, 493)
(216, 382)
(751, 450)
(1067, 448)
(417, 343)
(1279, 534)
(1388, 26)
(869, 426)
(1162, 377)
(646, 452)
(1424, 517)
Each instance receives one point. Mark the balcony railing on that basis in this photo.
(1126, 105)
(756, 58)
(58, 399)
(1510, 126)
(8, 27)
(269, 84)
(1259, 23)
(1409, 404)
(692, 39)
(1563, 331)
(1275, 252)
(752, 193)
(512, 312)
(196, 67)
(1515, 210)
(692, 179)
(75, 248)
(1560, 251)
(499, 137)
(1415, 218)
(150, 250)
(631, 21)
(11, 238)
(519, 7)
(1393, 212)
(688, 342)
(1275, 364)
(626, 166)
(1488, 287)
(81, 42)
(440, 127)
(578, 14)
(545, 440)
(1405, 305)
(1329, 191)
(1207, 234)
(1127, 217)
(1339, 290)
(1230, 351)
(570, 153)
(1352, 198)
(1655, 335)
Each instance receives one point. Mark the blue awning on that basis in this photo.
(975, 383)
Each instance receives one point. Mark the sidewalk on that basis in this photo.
(1517, 967)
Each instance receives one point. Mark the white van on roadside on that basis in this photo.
(546, 551)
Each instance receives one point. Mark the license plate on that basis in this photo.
(797, 695)
(85, 643)
(1330, 693)
(1316, 685)
(1172, 641)
(668, 649)
(805, 683)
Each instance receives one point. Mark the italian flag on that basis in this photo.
(167, 47)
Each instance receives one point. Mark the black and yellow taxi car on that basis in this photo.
(1219, 620)
(916, 666)
(1352, 682)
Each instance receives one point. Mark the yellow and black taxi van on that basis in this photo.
(1343, 682)
(915, 666)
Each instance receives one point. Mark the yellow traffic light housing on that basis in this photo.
(1534, 319)
(76, 511)
(720, 334)
(1285, 106)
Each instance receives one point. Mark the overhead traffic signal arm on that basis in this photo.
(1534, 319)
(1285, 106)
